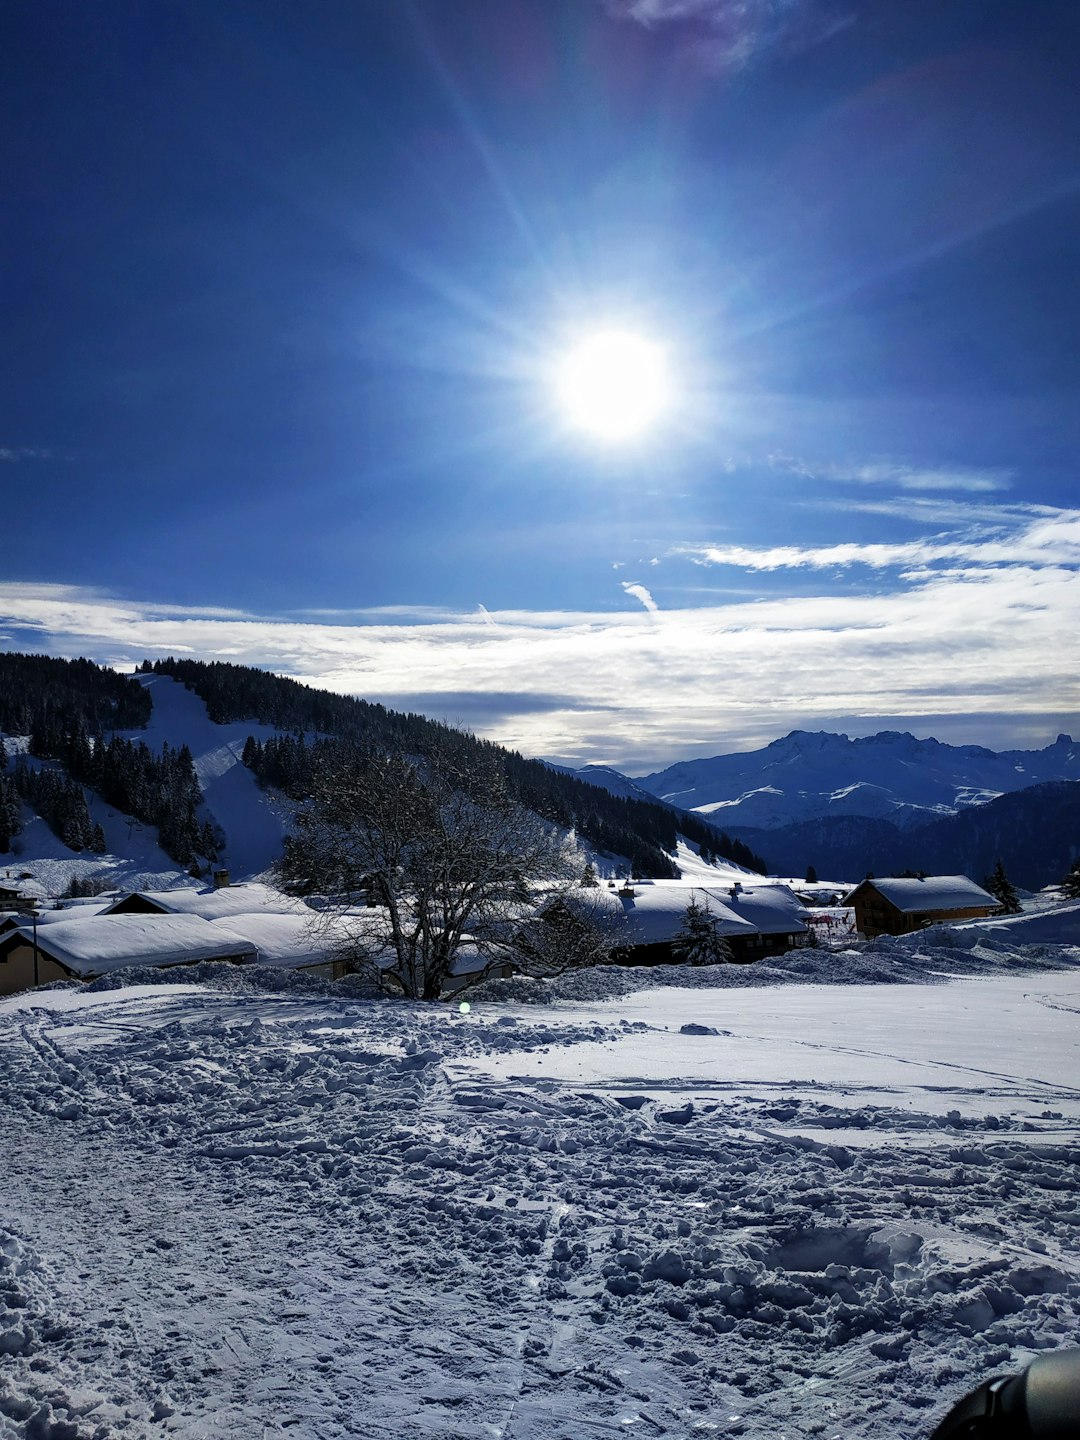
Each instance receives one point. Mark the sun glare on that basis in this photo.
(614, 384)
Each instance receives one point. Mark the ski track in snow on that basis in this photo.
(234, 1213)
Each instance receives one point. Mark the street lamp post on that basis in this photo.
(33, 914)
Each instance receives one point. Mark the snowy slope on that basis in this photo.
(254, 824)
(807, 1210)
(609, 779)
(891, 775)
(133, 859)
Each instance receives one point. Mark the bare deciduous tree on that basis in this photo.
(446, 860)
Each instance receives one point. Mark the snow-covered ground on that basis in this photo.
(756, 1202)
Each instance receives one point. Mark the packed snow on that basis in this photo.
(822, 1196)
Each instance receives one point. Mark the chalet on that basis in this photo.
(83, 949)
(17, 893)
(318, 945)
(755, 920)
(899, 905)
(208, 902)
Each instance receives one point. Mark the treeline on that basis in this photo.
(44, 697)
(644, 832)
(10, 820)
(161, 790)
(237, 692)
(61, 803)
(66, 707)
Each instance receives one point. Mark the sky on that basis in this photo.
(287, 296)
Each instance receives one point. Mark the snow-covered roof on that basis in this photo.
(655, 912)
(292, 941)
(771, 909)
(932, 892)
(110, 942)
(74, 910)
(215, 903)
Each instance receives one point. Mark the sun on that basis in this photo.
(614, 384)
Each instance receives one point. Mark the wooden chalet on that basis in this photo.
(897, 905)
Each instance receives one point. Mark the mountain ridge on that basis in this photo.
(892, 775)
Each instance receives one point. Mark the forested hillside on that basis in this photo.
(645, 833)
(69, 711)
(47, 698)
(1034, 832)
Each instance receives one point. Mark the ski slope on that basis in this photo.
(253, 822)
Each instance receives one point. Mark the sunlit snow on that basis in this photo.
(254, 1206)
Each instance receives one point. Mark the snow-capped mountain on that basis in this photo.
(889, 776)
(611, 780)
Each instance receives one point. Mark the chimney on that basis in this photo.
(221, 879)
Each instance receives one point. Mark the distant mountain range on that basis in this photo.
(883, 803)
(241, 740)
(813, 775)
(1034, 832)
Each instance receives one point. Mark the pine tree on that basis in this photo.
(9, 812)
(699, 941)
(1070, 886)
(811, 875)
(999, 885)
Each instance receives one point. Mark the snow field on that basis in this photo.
(255, 1206)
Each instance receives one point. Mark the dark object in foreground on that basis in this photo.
(1041, 1403)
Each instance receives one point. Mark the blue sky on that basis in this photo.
(284, 289)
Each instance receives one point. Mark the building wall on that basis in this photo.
(17, 970)
(744, 948)
(874, 915)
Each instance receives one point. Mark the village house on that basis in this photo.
(318, 945)
(755, 920)
(208, 902)
(87, 947)
(897, 905)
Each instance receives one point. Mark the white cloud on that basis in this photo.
(14, 454)
(730, 34)
(639, 592)
(900, 475)
(926, 478)
(981, 626)
(1048, 537)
